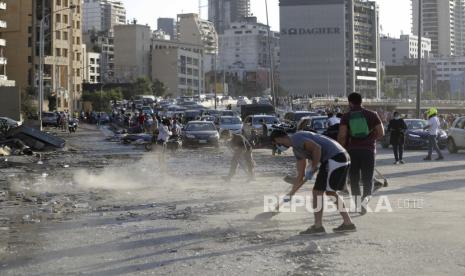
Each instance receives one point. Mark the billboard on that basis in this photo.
(313, 47)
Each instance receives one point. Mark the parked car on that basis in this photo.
(294, 117)
(456, 136)
(228, 125)
(208, 118)
(228, 113)
(200, 133)
(415, 136)
(241, 102)
(147, 110)
(191, 115)
(253, 125)
(318, 124)
(104, 118)
(49, 119)
(10, 123)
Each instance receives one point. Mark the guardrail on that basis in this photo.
(381, 101)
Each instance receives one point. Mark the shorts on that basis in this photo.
(332, 174)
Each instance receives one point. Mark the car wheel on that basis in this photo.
(451, 147)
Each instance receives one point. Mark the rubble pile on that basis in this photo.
(23, 140)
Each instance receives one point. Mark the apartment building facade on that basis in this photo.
(62, 40)
(3, 44)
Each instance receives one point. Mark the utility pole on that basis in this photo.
(271, 78)
(214, 71)
(419, 60)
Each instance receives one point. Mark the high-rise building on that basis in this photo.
(168, 26)
(132, 52)
(3, 60)
(224, 12)
(194, 30)
(62, 44)
(403, 50)
(102, 15)
(178, 66)
(244, 51)
(443, 21)
(91, 68)
(329, 48)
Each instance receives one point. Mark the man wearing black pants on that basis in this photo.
(397, 128)
(358, 132)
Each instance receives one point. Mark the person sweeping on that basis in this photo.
(330, 160)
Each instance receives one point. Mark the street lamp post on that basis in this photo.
(418, 106)
(41, 59)
(271, 78)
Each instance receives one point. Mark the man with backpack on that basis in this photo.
(358, 132)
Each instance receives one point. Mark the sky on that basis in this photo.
(394, 14)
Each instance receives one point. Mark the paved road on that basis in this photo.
(142, 221)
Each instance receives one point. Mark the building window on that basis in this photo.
(58, 52)
(78, 56)
(58, 35)
(78, 40)
(78, 24)
(65, 35)
(58, 18)
(65, 52)
(65, 19)
(58, 3)
(78, 72)
(65, 3)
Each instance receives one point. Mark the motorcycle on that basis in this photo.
(72, 125)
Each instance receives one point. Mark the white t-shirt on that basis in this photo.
(164, 133)
(434, 125)
(334, 121)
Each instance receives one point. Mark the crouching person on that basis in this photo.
(242, 155)
(330, 160)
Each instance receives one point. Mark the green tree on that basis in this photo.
(101, 101)
(143, 86)
(158, 88)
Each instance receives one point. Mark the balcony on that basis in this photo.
(2, 5)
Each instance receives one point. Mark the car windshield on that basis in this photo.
(320, 123)
(415, 124)
(200, 127)
(268, 120)
(230, 121)
(228, 113)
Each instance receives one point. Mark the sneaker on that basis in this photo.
(396, 163)
(363, 210)
(440, 158)
(402, 162)
(312, 230)
(427, 158)
(345, 228)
